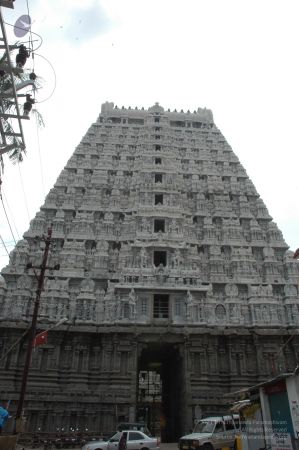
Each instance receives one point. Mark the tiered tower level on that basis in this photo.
(168, 259)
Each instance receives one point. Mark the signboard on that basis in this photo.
(294, 405)
(281, 441)
(275, 388)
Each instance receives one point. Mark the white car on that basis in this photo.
(136, 440)
(212, 433)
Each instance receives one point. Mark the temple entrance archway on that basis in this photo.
(160, 390)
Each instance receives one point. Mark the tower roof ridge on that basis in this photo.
(201, 113)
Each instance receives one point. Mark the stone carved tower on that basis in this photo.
(168, 256)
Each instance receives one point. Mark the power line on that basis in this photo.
(8, 244)
(16, 230)
(49, 96)
(32, 32)
(7, 219)
(4, 244)
(24, 193)
(40, 157)
(30, 36)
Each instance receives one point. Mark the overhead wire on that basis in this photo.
(32, 51)
(3, 243)
(11, 215)
(36, 119)
(30, 36)
(9, 225)
(53, 90)
(24, 193)
(7, 219)
(32, 32)
(40, 156)
(8, 243)
(9, 248)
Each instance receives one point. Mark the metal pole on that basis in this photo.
(10, 69)
(32, 330)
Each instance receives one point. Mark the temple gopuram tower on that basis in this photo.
(177, 285)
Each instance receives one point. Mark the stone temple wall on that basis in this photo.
(161, 237)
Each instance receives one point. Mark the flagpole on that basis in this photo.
(32, 331)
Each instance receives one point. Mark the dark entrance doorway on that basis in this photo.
(160, 390)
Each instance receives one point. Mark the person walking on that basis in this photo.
(122, 443)
(4, 415)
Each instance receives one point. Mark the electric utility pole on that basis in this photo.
(33, 327)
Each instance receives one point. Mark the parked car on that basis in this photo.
(212, 433)
(136, 440)
(140, 426)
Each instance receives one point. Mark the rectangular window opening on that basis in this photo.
(158, 199)
(158, 177)
(160, 257)
(161, 306)
(158, 161)
(159, 225)
(157, 147)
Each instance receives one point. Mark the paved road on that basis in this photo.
(172, 446)
(163, 446)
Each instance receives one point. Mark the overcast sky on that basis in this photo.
(237, 57)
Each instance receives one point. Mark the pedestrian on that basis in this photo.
(122, 443)
(4, 415)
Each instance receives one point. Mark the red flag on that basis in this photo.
(296, 254)
(40, 338)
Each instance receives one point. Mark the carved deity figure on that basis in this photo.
(261, 291)
(103, 246)
(257, 313)
(161, 273)
(143, 257)
(118, 307)
(273, 313)
(87, 285)
(24, 282)
(252, 291)
(145, 225)
(269, 290)
(173, 226)
(177, 259)
(132, 303)
(189, 305)
(109, 310)
(109, 217)
(110, 289)
(231, 290)
(268, 253)
(265, 314)
(220, 313)
(290, 290)
(235, 312)
(20, 253)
